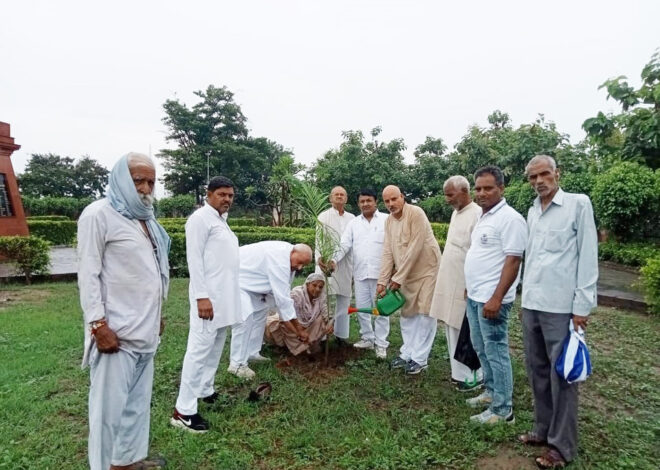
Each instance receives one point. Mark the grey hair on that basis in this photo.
(303, 248)
(458, 182)
(542, 158)
(135, 158)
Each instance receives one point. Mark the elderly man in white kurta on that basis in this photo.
(213, 261)
(340, 282)
(123, 277)
(363, 240)
(449, 299)
(410, 263)
(265, 276)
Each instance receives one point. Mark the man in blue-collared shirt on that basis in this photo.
(561, 271)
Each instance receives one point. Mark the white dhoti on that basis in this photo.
(200, 364)
(342, 321)
(372, 328)
(459, 371)
(418, 333)
(119, 406)
(247, 337)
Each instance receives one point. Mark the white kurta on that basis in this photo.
(341, 279)
(265, 276)
(213, 262)
(119, 278)
(449, 301)
(363, 241)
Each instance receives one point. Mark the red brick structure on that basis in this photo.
(12, 217)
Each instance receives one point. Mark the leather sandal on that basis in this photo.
(530, 438)
(551, 459)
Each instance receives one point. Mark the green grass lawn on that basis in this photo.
(355, 415)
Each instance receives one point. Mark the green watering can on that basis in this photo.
(392, 301)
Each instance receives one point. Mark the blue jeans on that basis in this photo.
(490, 339)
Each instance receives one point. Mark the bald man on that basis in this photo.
(340, 283)
(410, 262)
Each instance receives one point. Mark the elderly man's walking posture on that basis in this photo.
(410, 263)
(267, 269)
(492, 273)
(123, 276)
(212, 253)
(449, 300)
(337, 219)
(561, 271)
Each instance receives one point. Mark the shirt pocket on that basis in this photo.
(489, 238)
(557, 240)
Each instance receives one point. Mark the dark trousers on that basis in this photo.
(555, 400)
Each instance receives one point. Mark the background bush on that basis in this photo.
(437, 210)
(31, 255)
(519, 195)
(48, 217)
(651, 283)
(631, 254)
(176, 206)
(66, 206)
(626, 200)
(57, 232)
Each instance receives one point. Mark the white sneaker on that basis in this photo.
(258, 358)
(488, 417)
(244, 372)
(364, 344)
(480, 401)
(381, 352)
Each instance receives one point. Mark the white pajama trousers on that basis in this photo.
(459, 371)
(119, 407)
(418, 333)
(372, 328)
(200, 364)
(247, 338)
(342, 321)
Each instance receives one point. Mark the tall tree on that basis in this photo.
(634, 134)
(430, 170)
(358, 163)
(52, 175)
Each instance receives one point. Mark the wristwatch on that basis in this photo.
(97, 324)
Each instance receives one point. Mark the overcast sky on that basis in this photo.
(78, 78)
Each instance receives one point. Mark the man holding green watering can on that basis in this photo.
(410, 263)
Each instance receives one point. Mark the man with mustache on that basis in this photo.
(213, 263)
(123, 276)
(561, 272)
(492, 273)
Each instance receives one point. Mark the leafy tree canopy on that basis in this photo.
(49, 175)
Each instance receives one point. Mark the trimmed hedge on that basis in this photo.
(630, 254)
(651, 282)
(31, 255)
(67, 206)
(57, 232)
(48, 217)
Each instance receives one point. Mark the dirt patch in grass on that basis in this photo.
(506, 459)
(314, 366)
(9, 298)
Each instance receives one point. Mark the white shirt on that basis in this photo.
(341, 280)
(499, 233)
(213, 261)
(561, 264)
(119, 278)
(363, 239)
(265, 276)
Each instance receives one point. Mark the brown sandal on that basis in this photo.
(530, 438)
(551, 459)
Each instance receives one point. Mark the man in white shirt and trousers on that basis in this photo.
(213, 262)
(339, 284)
(363, 240)
(265, 276)
(123, 277)
(449, 300)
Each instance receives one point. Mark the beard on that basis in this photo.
(147, 199)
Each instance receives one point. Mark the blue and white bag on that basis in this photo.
(573, 364)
